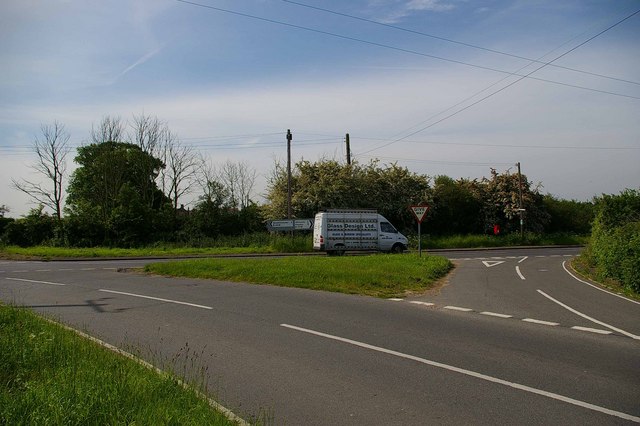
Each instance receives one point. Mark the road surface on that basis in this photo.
(511, 338)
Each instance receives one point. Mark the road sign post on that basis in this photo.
(420, 212)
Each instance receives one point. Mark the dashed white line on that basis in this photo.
(416, 302)
(34, 281)
(523, 259)
(493, 314)
(535, 321)
(395, 299)
(156, 298)
(470, 373)
(43, 270)
(457, 308)
(591, 330)
(520, 273)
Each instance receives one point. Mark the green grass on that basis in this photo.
(264, 243)
(97, 252)
(376, 275)
(50, 375)
(508, 240)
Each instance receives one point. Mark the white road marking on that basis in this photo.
(87, 269)
(490, 263)
(395, 299)
(457, 308)
(596, 287)
(43, 270)
(34, 281)
(416, 302)
(470, 373)
(523, 259)
(591, 330)
(626, 333)
(156, 298)
(520, 273)
(66, 269)
(493, 314)
(535, 321)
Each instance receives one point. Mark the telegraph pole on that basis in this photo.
(289, 138)
(348, 149)
(521, 209)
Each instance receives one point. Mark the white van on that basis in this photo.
(336, 231)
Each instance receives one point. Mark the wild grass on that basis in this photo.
(259, 243)
(377, 275)
(50, 375)
(265, 243)
(508, 240)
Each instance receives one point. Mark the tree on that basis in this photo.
(109, 177)
(454, 209)
(180, 171)
(51, 151)
(328, 184)
(501, 201)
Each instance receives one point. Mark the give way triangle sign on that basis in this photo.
(420, 212)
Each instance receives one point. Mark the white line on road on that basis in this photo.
(591, 330)
(596, 287)
(523, 259)
(493, 314)
(395, 299)
(457, 308)
(470, 373)
(156, 298)
(416, 302)
(520, 273)
(626, 333)
(34, 281)
(535, 321)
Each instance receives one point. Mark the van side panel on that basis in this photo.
(351, 231)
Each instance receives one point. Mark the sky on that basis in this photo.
(442, 87)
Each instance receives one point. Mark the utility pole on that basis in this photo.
(348, 149)
(521, 209)
(289, 138)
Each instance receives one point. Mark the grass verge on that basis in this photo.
(50, 375)
(378, 275)
(581, 265)
(507, 240)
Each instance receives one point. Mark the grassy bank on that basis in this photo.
(378, 275)
(50, 375)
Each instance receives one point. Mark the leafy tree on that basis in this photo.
(500, 196)
(568, 216)
(454, 209)
(113, 180)
(328, 184)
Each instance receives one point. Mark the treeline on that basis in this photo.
(129, 181)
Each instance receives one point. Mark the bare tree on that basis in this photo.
(238, 179)
(182, 168)
(111, 130)
(51, 151)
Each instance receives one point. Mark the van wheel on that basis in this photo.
(397, 249)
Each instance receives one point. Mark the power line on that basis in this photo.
(400, 49)
(498, 52)
(505, 87)
(485, 145)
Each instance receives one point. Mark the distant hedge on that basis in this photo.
(614, 249)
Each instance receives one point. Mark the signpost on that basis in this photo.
(420, 212)
(290, 225)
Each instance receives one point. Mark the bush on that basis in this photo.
(614, 250)
(34, 229)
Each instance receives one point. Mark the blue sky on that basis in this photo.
(232, 82)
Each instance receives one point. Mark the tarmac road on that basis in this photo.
(511, 338)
